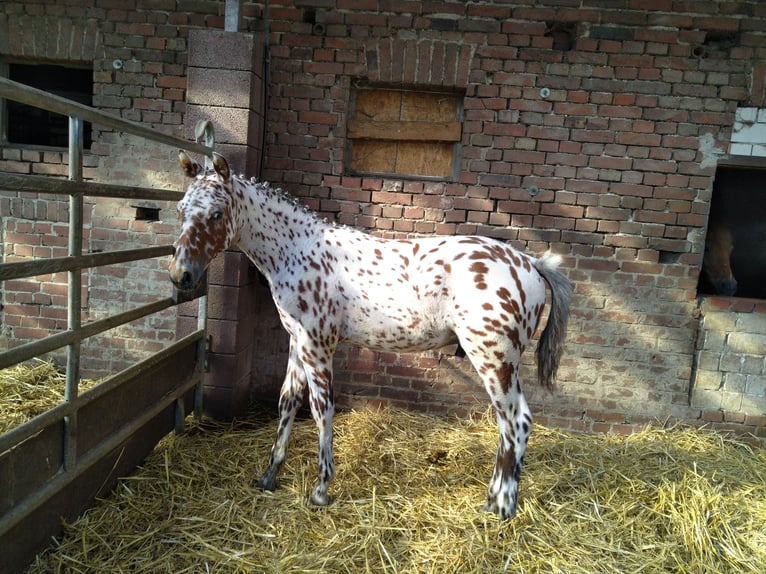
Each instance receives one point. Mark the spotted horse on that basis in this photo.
(332, 283)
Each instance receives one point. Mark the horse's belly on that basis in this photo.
(388, 331)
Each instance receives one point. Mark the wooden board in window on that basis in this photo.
(401, 132)
(403, 158)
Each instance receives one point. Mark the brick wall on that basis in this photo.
(730, 376)
(591, 127)
(139, 57)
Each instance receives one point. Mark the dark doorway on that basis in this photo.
(739, 206)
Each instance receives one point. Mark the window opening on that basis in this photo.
(405, 133)
(735, 246)
(28, 125)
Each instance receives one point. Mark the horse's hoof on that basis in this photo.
(265, 484)
(319, 498)
(502, 512)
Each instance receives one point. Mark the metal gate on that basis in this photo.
(54, 465)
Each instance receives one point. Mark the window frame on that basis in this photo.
(359, 129)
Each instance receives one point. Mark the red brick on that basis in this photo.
(711, 416)
(573, 211)
(717, 23)
(171, 82)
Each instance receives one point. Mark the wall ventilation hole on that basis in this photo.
(562, 33)
(669, 257)
(147, 213)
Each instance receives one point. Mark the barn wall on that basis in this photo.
(612, 168)
(139, 60)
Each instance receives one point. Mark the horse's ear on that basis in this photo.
(188, 165)
(221, 167)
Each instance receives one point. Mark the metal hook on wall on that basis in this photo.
(205, 132)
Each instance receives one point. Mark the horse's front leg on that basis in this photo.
(514, 421)
(290, 400)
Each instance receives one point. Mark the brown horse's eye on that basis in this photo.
(217, 215)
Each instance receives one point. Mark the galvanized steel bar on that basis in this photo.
(96, 327)
(202, 350)
(48, 344)
(18, 269)
(42, 184)
(41, 99)
(35, 348)
(75, 148)
(74, 313)
(233, 11)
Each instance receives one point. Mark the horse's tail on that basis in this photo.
(551, 343)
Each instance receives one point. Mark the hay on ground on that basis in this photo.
(407, 498)
(29, 389)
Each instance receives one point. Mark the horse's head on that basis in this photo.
(207, 222)
(716, 264)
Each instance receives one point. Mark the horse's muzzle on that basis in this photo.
(725, 286)
(184, 277)
(184, 283)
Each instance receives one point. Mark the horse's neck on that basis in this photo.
(274, 229)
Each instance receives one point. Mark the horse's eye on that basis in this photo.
(217, 215)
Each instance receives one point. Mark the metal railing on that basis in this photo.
(73, 264)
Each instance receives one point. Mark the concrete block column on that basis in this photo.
(225, 86)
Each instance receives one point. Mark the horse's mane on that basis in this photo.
(283, 198)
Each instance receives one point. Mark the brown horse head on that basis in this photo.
(716, 264)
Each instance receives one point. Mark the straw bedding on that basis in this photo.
(407, 498)
(29, 389)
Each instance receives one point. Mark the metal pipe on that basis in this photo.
(41, 184)
(231, 19)
(202, 356)
(74, 305)
(48, 344)
(41, 99)
(19, 269)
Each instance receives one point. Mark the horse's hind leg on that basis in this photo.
(514, 422)
(323, 410)
(290, 400)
